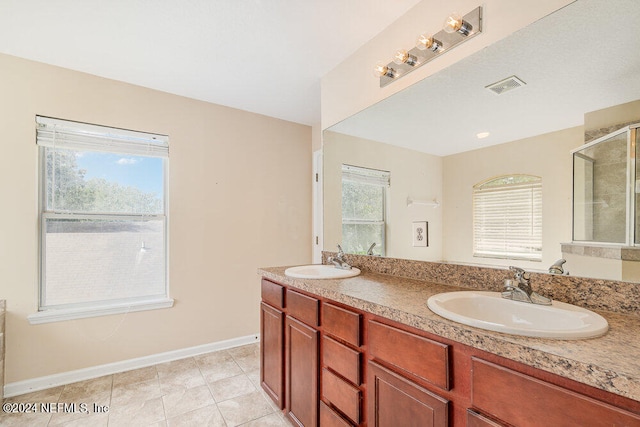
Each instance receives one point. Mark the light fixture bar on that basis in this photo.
(448, 40)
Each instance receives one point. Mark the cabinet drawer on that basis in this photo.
(272, 293)
(341, 323)
(303, 308)
(422, 357)
(475, 419)
(341, 359)
(342, 395)
(328, 418)
(513, 397)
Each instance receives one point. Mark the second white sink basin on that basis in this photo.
(488, 310)
(320, 271)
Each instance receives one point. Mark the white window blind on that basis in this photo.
(64, 134)
(103, 216)
(507, 218)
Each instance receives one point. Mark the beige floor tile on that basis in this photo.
(254, 376)
(213, 373)
(137, 413)
(176, 366)
(24, 419)
(93, 420)
(209, 416)
(83, 408)
(231, 387)
(140, 391)
(181, 380)
(245, 408)
(213, 358)
(273, 404)
(136, 376)
(247, 357)
(43, 396)
(84, 391)
(271, 420)
(184, 401)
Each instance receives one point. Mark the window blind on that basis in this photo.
(365, 175)
(508, 220)
(64, 134)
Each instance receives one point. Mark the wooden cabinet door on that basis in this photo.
(395, 401)
(301, 373)
(272, 353)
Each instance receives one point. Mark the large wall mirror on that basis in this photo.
(579, 72)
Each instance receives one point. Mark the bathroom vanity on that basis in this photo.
(367, 351)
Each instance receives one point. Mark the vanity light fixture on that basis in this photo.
(454, 23)
(426, 41)
(404, 57)
(428, 46)
(381, 70)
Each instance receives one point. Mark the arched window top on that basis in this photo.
(507, 180)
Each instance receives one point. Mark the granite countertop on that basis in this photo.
(609, 362)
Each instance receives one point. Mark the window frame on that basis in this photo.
(60, 312)
(533, 184)
(384, 182)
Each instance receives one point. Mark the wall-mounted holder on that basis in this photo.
(446, 39)
(433, 203)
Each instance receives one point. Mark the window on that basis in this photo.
(364, 194)
(103, 219)
(507, 218)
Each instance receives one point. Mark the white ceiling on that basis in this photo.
(263, 56)
(582, 58)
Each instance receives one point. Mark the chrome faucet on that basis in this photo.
(522, 291)
(556, 268)
(370, 250)
(338, 260)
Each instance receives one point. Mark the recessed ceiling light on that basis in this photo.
(482, 135)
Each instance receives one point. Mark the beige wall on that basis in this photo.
(413, 174)
(351, 87)
(239, 199)
(547, 156)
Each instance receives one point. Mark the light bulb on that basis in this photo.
(381, 70)
(404, 57)
(455, 23)
(426, 41)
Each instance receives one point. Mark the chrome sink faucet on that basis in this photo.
(370, 251)
(522, 291)
(338, 260)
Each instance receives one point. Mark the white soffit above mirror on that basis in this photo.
(581, 58)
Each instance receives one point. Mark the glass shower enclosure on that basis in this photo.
(606, 189)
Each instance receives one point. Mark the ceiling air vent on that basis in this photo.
(505, 85)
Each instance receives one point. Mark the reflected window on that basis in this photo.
(364, 205)
(507, 218)
(103, 215)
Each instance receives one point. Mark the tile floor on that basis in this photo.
(221, 388)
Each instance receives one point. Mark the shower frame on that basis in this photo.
(631, 239)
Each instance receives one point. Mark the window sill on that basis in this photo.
(60, 315)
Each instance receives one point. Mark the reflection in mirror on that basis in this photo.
(580, 73)
(364, 205)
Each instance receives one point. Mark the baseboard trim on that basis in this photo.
(63, 378)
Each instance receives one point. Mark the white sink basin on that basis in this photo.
(320, 271)
(488, 310)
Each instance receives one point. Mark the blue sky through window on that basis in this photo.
(144, 173)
